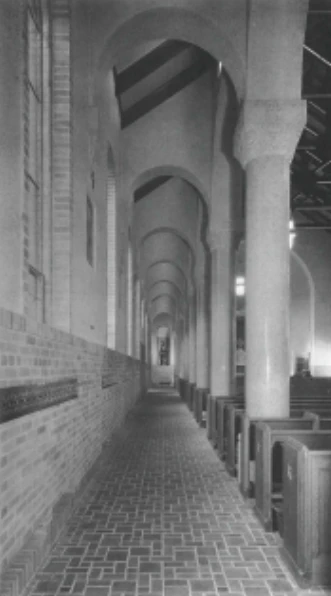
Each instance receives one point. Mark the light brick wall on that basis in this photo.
(45, 455)
(111, 252)
(61, 164)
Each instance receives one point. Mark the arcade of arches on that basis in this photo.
(148, 160)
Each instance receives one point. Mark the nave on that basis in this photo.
(162, 517)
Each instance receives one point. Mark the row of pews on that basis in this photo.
(283, 465)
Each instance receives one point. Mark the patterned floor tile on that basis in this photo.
(165, 519)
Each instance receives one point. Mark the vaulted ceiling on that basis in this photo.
(156, 76)
(166, 67)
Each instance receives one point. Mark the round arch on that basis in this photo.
(175, 233)
(174, 171)
(175, 267)
(166, 281)
(171, 23)
(168, 271)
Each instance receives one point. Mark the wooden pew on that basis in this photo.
(232, 432)
(238, 446)
(306, 394)
(307, 509)
(269, 437)
(215, 408)
(223, 421)
(226, 423)
(201, 406)
(324, 423)
(246, 428)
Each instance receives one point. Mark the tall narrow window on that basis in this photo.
(137, 317)
(89, 231)
(34, 156)
(111, 252)
(129, 300)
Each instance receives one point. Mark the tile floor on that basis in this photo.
(164, 519)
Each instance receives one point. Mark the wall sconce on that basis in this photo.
(292, 233)
(240, 286)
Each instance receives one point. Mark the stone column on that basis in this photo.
(266, 140)
(202, 378)
(222, 304)
(192, 338)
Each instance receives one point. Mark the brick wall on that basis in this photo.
(45, 455)
(61, 165)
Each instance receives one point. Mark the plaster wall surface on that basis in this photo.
(165, 246)
(302, 313)
(166, 270)
(95, 128)
(176, 133)
(173, 205)
(314, 248)
(11, 156)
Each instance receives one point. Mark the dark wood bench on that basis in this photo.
(307, 508)
(224, 422)
(237, 438)
(200, 406)
(269, 437)
(215, 416)
(245, 428)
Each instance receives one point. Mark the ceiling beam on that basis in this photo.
(312, 226)
(149, 186)
(143, 67)
(166, 91)
(319, 6)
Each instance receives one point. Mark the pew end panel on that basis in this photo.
(325, 424)
(269, 462)
(248, 452)
(222, 422)
(232, 431)
(211, 418)
(307, 508)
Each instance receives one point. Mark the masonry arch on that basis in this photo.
(166, 273)
(121, 34)
(185, 217)
(172, 170)
(167, 246)
(167, 269)
(180, 236)
(163, 287)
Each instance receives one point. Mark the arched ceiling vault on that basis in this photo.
(169, 271)
(117, 35)
(166, 247)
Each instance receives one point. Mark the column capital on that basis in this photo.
(269, 127)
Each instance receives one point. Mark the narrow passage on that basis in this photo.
(164, 519)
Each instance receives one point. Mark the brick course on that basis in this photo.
(45, 455)
(163, 518)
